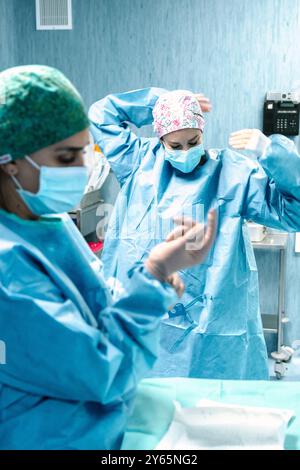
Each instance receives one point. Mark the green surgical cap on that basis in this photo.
(39, 107)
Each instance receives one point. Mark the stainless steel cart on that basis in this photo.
(274, 323)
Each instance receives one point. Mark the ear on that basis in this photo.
(10, 168)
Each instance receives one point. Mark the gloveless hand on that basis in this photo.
(204, 102)
(249, 139)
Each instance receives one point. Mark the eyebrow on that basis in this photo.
(194, 138)
(70, 149)
(189, 141)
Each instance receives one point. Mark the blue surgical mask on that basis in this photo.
(185, 160)
(61, 189)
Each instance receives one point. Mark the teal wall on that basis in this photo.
(8, 49)
(233, 50)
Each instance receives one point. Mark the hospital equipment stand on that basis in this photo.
(275, 323)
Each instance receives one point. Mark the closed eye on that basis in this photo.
(66, 160)
(194, 142)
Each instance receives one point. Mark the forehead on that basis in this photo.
(78, 140)
(182, 135)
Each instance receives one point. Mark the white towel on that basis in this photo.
(217, 425)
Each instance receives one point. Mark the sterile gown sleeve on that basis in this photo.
(109, 125)
(52, 351)
(273, 195)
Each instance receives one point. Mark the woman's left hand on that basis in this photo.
(249, 139)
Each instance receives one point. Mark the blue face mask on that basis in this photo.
(61, 189)
(185, 161)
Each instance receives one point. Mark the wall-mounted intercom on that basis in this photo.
(281, 113)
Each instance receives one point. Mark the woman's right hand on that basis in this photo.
(187, 245)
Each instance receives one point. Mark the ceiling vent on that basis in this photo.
(53, 14)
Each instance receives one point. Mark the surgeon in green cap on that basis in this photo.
(73, 355)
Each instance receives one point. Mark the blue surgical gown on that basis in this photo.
(73, 356)
(215, 330)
